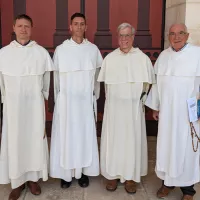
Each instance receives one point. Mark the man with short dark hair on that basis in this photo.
(23, 16)
(74, 150)
(78, 15)
(24, 80)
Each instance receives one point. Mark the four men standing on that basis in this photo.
(127, 74)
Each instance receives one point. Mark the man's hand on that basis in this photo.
(156, 115)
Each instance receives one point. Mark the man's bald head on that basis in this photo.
(181, 25)
(178, 36)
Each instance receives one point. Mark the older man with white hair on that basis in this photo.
(177, 89)
(127, 73)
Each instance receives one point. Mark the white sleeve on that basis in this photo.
(46, 84)
(99, 59)
(56, 80)
(56, 75)
(2, 87)
(97, 84)
(152, 100)
(144, 92)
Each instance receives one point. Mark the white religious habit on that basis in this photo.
(127, 77)
(178, 79)
(24, 82)
(74, 147)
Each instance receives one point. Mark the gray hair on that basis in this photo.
(184, 26)
(126, 25)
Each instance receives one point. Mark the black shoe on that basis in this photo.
(65, 184)
(83, 181)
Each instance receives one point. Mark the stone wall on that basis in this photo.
(187, 12)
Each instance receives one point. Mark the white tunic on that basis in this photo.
(24, 85)
(178, 78)
(74, 147)
(123, 140)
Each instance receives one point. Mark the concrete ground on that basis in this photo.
(146, 190)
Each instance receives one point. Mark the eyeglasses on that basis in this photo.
(125, 36)
(179, 34)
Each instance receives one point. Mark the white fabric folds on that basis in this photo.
(123, 140)
(178, 79)
(134, 67)
(74, 143)
(24, 82)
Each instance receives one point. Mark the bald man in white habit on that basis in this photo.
(178, 80)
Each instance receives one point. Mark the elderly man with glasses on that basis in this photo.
(178, 81)
(127, 73)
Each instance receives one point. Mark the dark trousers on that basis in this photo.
(188, 190)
